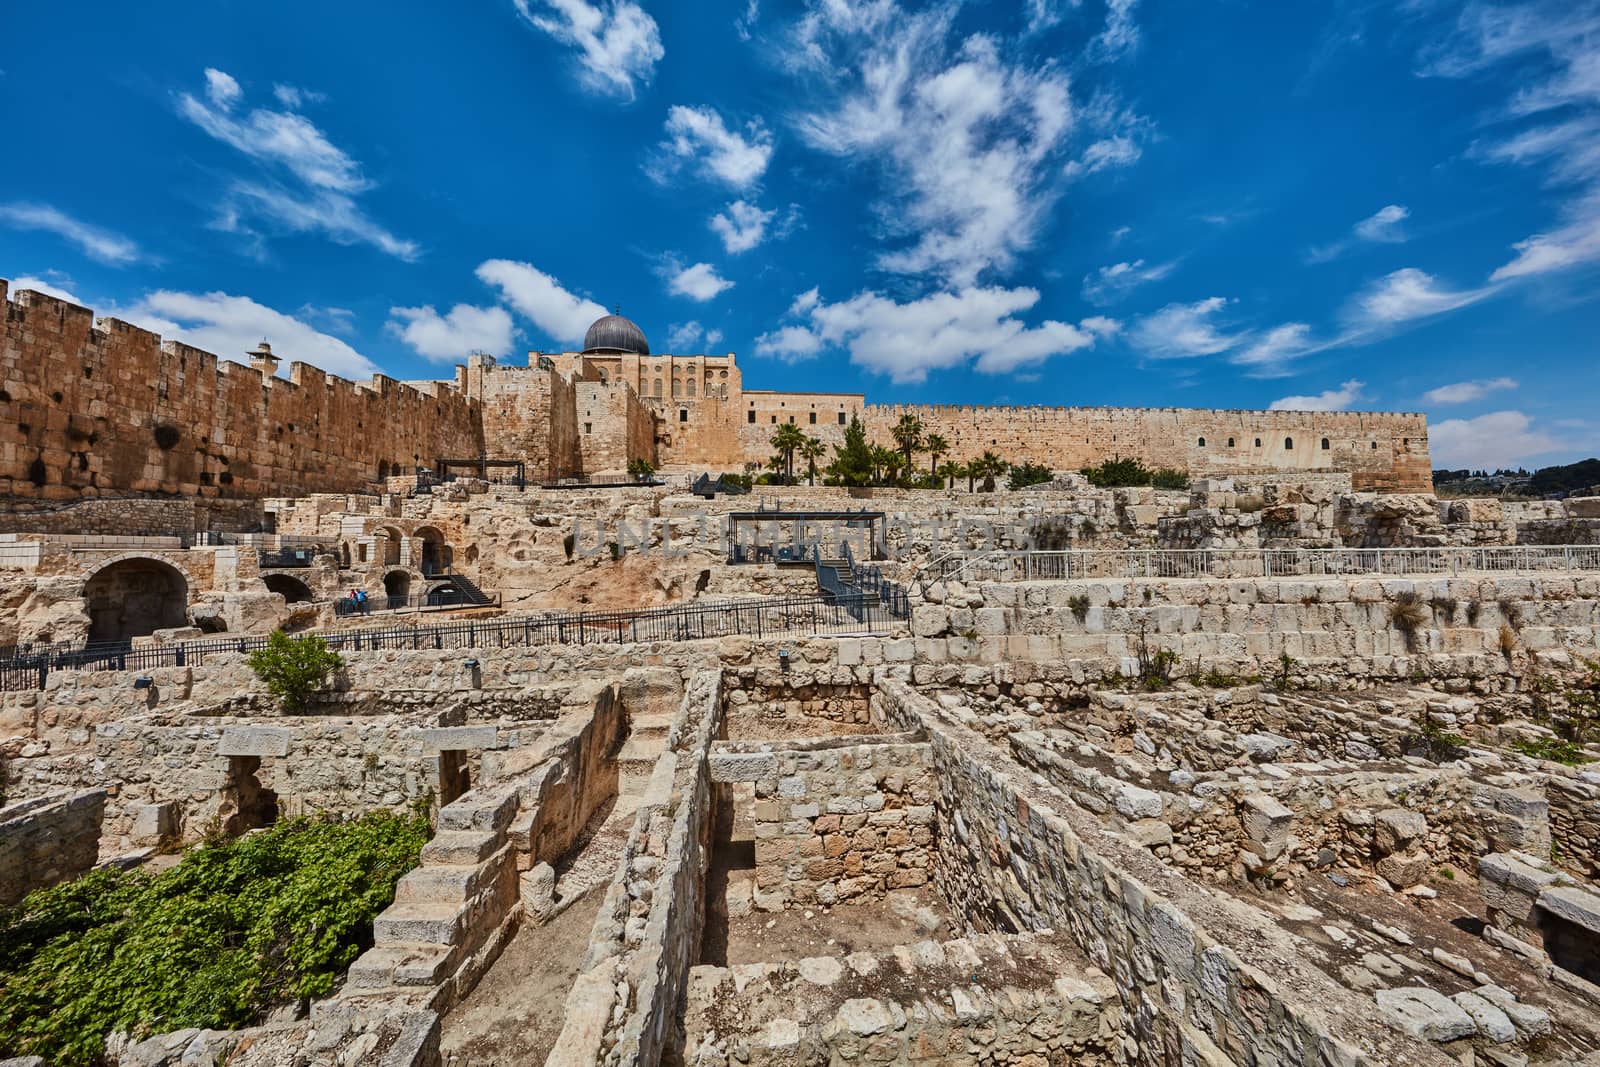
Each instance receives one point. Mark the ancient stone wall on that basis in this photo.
(614, 427)
(91, 409)
(48, 840)
(527, 413)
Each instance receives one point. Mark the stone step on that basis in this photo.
(401, 965)
(633, 778)
(459, 848)
(480, 810)
(640, 750)
(649, 725)
(419, 922)
(444, 885)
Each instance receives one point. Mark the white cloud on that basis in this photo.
(1555, 49)
(1488, 442)
(1382, 227)
(745, 24)
(1338, 399)
(337, 319)
(618, 43)
(43, 285)
(1467, 392)
(1268, 353)
(98, 244)
(229, 326)
(792, 343)
(1182, 330)
(942, 330)
(1121, 33)
(742, 226)
(294, 98)
(1118, 151)
(221, 89)
(1109, 284)
(563, 316)
(1408, 294)
(966, 137)
(689, 336)
(453, 336)
(736, 159)
(698, 282)
(304, 184)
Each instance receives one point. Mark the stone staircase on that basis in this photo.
(646, 740)
(445, 909)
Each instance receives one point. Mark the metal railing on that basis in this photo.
(871, 582)
(1223, 563)
(30, 667)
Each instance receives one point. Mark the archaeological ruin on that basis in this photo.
(1297, 765)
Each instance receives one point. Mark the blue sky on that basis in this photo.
(1382, 205)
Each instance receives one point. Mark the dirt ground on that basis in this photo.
(748, 727)
(767, 937)
(513, 1017)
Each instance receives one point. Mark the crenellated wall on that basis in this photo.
(91, 408)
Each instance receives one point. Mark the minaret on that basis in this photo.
(263, 360)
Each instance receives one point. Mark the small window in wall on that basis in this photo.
(791, 420)
(841, 418)
(1324, 444)
(1288, 444)
(1374, 446)
(588, 427)
(1258, 442)
(1230, 442)
(774, 420)
(1201, 443)
(813, 418)
(752, 417)
(683, 414)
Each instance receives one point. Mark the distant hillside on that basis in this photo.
(1545, 482)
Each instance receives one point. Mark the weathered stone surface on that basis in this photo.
(1424, 1013)
(1491, 1022)
(254, 741)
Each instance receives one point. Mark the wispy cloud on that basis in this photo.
(305, 183)
(453, 336)
(105, 246)
(618, 43)
(54, 283)
(230, 326)
(1180, 331)
(1467, 392)
(1339, 399)
(1382, 227)
(906, 340)
(1405, 295)
(689, 336)
(1269, 354)
(699, 281)
(742, 226)
(561, 315)
(1110, 284)
(698, 135)
(1121, 33)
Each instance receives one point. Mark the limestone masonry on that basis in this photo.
(103, 408)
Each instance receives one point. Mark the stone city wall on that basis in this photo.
(836, 820)
(1011, 860)
(48, 840)
(107, 409)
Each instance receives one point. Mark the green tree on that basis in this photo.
(907, 434)
(882, 461)
(990, 466)
(812, 449)
(294, 668)
(1029, 474)
(852, 461)
(786, 439)
(936, 446)
(948, 473)
(641, 470)
(970, 469)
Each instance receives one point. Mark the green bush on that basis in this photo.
(641, 470)
(237, 927)
(294, 668)
(1554, 750)
(1117, 473)
(1029, 474)
(1168, 478)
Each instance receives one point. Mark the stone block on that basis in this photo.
(1395, 829)
(153, 823)
(1424, 1013)
(742, 766)
(457, 738)
(1266, 824)
(1491, 1022)
(1574, 904)
(1405, 869)
(254, 741)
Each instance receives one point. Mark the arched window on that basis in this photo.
(658, 387)
(677, 388)
(1201, 443)
(1288, 444)
(1324, 444)
(1258, 442)
(690, 384)
(1230, 442)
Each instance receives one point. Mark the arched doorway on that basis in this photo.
(135, 597)
(391, 546)
(397, 586)
(435, 553)
(292, 589)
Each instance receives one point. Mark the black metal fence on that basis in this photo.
(29, 667)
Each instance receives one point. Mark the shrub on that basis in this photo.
(1407, 614)
(1117, 473)
(294, 668)
(1215, 679)
(1553, 749)
(1030, 474)
(1156, 666)
(1168, 478)
(1434, 742)
(1050, 534)
(1079, 603)
(1283, 679)
(236, 928)
(641, 469)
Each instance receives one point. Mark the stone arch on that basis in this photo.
(133, 596)
(397, 584)
(433, 552)
(292, 589)
(391, 545)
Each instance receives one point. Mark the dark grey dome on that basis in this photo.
(615, 334)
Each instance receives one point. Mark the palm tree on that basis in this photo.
(988, 466)
(948, 473)
(907, 434)
(881, 459)
(811, 449)
(970, 469)
(786, 439)
(937, 446)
